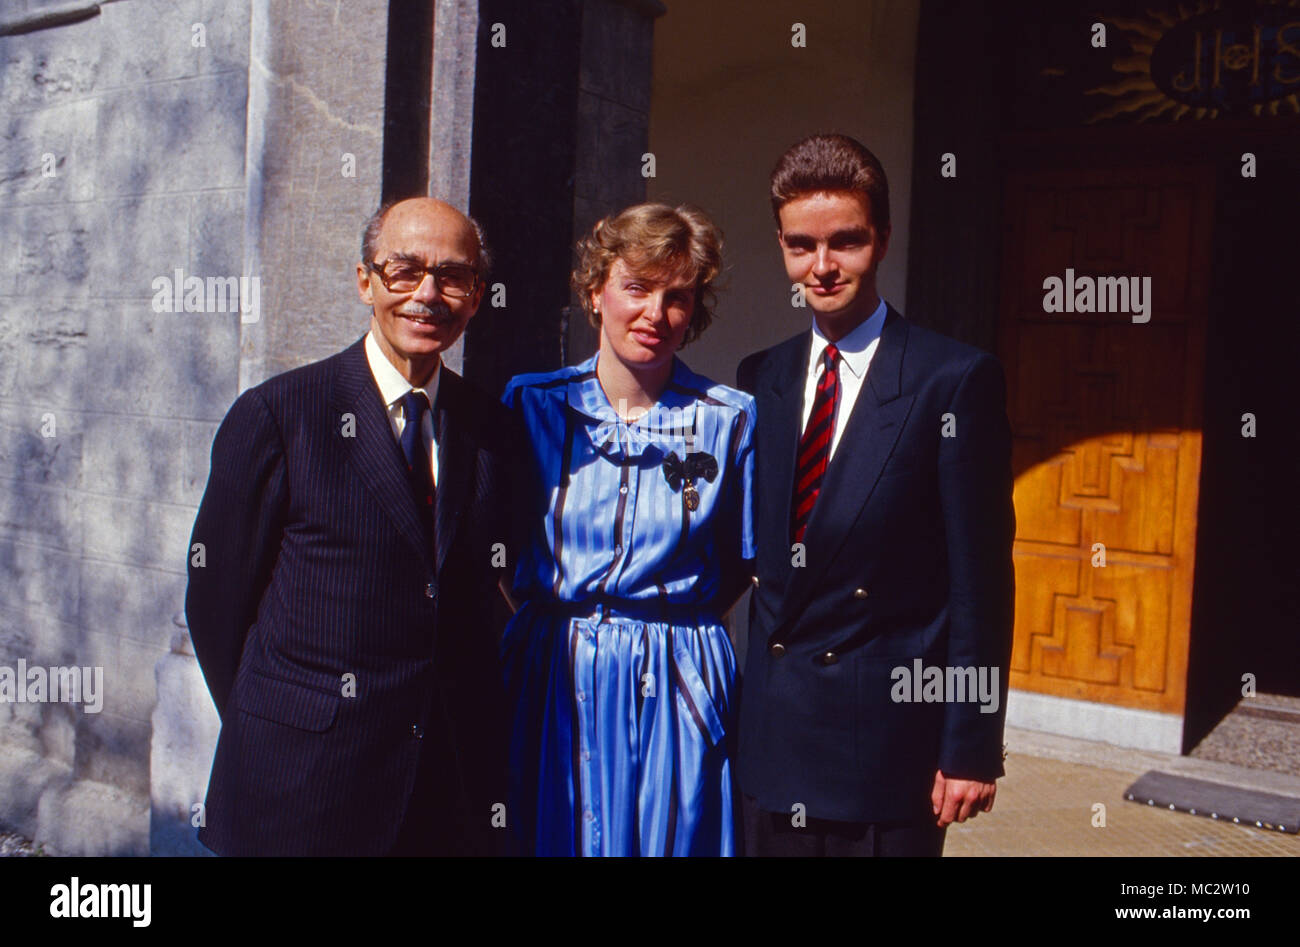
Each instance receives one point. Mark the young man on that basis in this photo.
(343, 615)
(880, 625)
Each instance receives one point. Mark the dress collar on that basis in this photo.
(668, 426)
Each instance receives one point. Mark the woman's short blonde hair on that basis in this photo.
(653, 239)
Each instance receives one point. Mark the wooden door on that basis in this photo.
(1106, 416)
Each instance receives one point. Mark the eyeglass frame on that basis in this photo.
(378, 268)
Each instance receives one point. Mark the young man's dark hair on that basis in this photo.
(831, 163)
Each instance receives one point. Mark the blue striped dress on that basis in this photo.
(622, 675)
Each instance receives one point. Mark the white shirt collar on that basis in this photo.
(856, 348)
(392, 386)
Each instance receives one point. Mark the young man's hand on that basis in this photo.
(956, 800)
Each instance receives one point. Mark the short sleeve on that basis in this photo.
(510, 397)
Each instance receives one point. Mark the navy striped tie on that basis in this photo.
(815, 445)
(414, 405)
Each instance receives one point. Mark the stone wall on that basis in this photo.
(144, 143)
(122, 151)
(315, 107)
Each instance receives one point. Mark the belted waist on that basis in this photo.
(612, 609)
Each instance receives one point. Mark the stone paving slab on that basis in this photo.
(1045, 806)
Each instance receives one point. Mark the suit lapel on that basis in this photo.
(374, 451)
(780, 412)
(870, 434)
(457, 460)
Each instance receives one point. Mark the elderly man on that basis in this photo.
(354, 528)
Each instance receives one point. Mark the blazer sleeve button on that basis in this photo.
(830, 657)
(859, 593)
(777, 650)
(430, 590)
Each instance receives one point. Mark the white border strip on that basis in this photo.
(1086, 720)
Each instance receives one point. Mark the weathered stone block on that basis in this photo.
(134, 604)
(10, 335)
(217, 234)
(165, 364)
(58, 732)
(55, 255)
(196, 460)
(41, 444)
(48, 155)
(148, 42)
(53, 372)
(227, 36)
(86, 818)
(26, 776)
(47, 68)
(48, 516)
(37, 582)
(134, 456)
(174, 136)
(137, 239)
(185, 730)
(20, 726)
(114, 750)
(137, 532)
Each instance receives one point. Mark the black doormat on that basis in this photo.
(1264, 810)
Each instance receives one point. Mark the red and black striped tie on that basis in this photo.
(815, 444)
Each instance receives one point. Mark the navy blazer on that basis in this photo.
(908, 556)
(338, 643)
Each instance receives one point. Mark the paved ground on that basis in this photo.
(1262, 732)
(1045, 805)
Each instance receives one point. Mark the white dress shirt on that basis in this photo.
(856, 350)
(393, 388)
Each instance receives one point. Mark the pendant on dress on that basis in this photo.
(691, 496)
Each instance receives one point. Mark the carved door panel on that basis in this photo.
(1106, 416)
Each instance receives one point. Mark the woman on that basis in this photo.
(622, 672)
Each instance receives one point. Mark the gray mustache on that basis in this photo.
(440, 311)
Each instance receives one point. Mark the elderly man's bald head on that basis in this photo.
(423, 205)
(417, 318)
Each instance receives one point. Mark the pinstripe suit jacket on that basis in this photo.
(338, 642)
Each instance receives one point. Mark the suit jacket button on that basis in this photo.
(776, 650)
(430, 590)
(755, 581)
(830, 657)
(859, 593)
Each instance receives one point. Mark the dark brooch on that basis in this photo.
(678, 472)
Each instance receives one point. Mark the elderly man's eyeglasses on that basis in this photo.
(405, 276)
